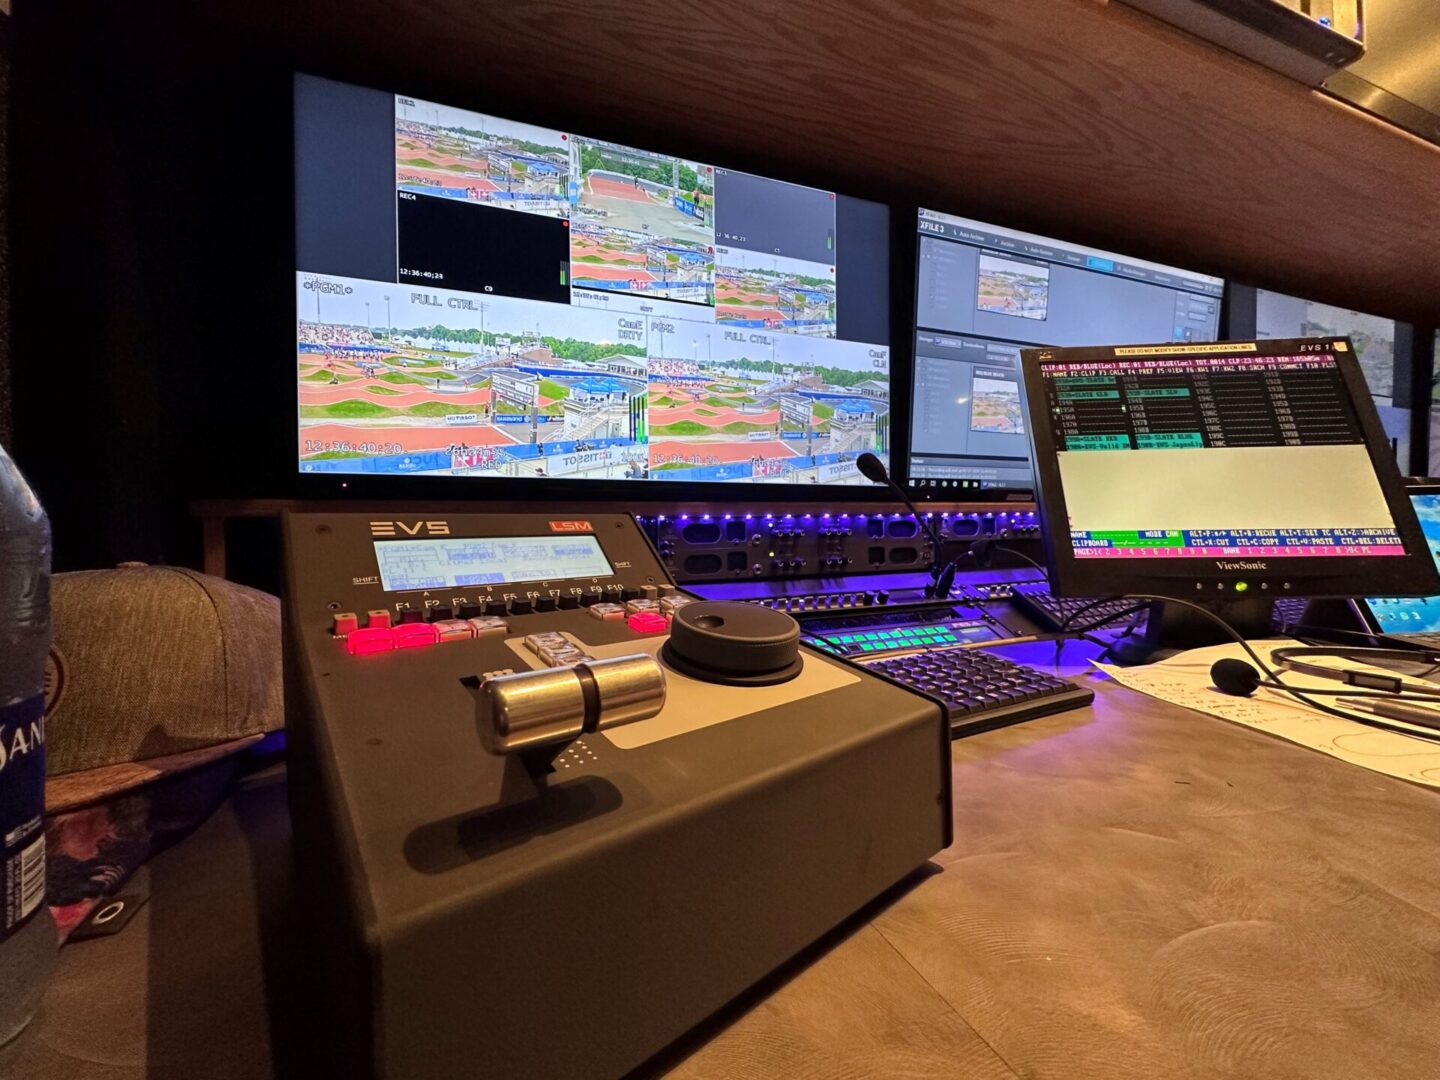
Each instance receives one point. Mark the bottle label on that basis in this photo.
(22, 812)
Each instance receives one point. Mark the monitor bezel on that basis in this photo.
(1411, 574)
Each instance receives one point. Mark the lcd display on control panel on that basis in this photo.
(480, 297)
(406, 565)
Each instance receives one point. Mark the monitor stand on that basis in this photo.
(1173, 628)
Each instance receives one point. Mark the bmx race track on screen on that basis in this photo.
(487, 388)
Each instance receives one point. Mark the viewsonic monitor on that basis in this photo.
(1212, 472)
(480, 297)
(983, 292)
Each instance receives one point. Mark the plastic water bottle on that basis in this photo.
(27, 934)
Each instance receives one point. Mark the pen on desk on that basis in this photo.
(1395, 710)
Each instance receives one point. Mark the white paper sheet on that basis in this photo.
(1185, 680)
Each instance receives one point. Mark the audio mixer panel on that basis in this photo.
(775, 544)
(533, 784)
(890, 624)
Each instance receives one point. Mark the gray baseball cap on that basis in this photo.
(154, 670)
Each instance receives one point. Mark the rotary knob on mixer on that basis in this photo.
(733, 644)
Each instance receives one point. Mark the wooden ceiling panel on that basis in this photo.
(1076, 117)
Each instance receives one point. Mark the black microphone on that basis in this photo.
(873, 469)
(1235, 677)
(983, 548)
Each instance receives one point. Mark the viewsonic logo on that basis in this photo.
(1224, 564)
(405, 528)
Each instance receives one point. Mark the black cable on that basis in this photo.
(1065, 622)
(1296, 629)
(1275, 681)
(1064, 633)
(1377, 641)
(1026, 558)
(994, 538)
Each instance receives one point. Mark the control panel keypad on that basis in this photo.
(646, 610)
(555, 649)
(488, 626)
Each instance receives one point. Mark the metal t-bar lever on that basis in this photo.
(536, 714)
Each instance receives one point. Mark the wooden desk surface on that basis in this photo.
(1134, 891)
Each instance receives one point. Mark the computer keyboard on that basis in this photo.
(979, 689)
(1051, 612)
(1287, 612)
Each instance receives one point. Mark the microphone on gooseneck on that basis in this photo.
(873, 469)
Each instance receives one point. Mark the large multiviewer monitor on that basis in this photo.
(480, 297)
(1384, 348)
(982, 292)
(1207, 472)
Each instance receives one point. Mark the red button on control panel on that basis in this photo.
(647, 622)
(371, 639)
(414, 635)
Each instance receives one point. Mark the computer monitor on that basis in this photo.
(1383, 347)
(1416, 618)
(1432, 459)
(982, 292)
(1253, 469)
(483, 298)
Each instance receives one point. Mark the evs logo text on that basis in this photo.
(571, 526)
(403, 528)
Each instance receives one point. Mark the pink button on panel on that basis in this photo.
(414, 635)
(371, 639)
